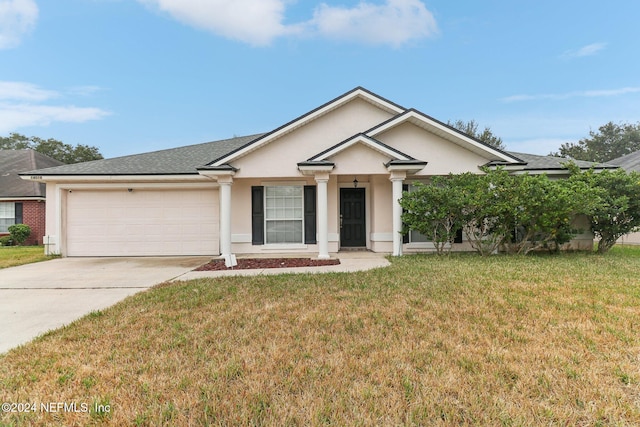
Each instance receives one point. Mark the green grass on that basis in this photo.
(11, 256)
(460, 340)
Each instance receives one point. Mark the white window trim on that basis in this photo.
(291, 245)
(13, 204)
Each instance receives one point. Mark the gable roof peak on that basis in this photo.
(357, 92)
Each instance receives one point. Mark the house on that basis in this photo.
(327, 181)
(630, 163)
(23, 202)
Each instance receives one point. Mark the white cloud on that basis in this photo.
(15, 116)
(255, 22)
(568, 95)
(17, 18)
(22, 104)
(393, 23)
(588, 50)
(24, 92)
(259, 22)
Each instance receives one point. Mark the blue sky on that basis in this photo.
(131, 76)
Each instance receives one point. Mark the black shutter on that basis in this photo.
(257, 215)
(405, 237)
(18, 211)
(310, 214)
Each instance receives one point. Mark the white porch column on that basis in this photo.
(397, 177)
(323, 228)
(225, 214)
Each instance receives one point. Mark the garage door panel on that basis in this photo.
(142, 223)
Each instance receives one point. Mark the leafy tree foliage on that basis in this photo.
(51, 147)
(520, 213)
(471, 128)
(609, 142)
(616, 210)
(434, 211)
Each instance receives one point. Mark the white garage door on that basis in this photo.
(142, 222)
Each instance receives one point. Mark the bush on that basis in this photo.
(520, 213)
(6, 241)
(19, 233)
(617, 211)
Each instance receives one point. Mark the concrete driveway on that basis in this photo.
(36, 298)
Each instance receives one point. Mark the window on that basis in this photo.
(7, 216)
(283, 214)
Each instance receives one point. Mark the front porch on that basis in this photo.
(317, 214)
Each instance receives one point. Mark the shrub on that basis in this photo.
(519, 213)
(19, 233)
(617, 211)
(6, 241)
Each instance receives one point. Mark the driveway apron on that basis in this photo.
(36, 298)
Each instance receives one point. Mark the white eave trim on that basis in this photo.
(314, 169)
(114, 178)
(332, 105)
(366, 140)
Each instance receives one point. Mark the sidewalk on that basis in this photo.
(349, 262)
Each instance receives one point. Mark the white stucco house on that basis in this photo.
(326, 181)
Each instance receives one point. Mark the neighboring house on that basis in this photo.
(327, 181)
(630, 163)
(23, 202)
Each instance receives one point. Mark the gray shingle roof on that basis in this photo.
(13, 162)
(173, 161)
(535, 162)
(187, 160)
(630, 162)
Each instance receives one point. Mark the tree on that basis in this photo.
(616, 211)
(609, 142)
(543, 210)
(435, 211)
(471, 129)
(51, 147)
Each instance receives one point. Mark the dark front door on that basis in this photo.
(352, 220)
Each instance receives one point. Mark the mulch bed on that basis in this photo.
(247, 263)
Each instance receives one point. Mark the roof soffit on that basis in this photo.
(357, 93)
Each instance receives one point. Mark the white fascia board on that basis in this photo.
(312, 170)
(368, 141)
(114, 178)
(138, 186)
(314, 114)
(430, 124)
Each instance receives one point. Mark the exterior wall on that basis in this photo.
(359, 160)
(584, 240)
(241, 217)
(381, 214)
(630, 239)
(307, 141)
(443, 156)
(33, 215)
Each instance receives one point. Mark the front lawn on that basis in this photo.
(10, 256)
(463, 340)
